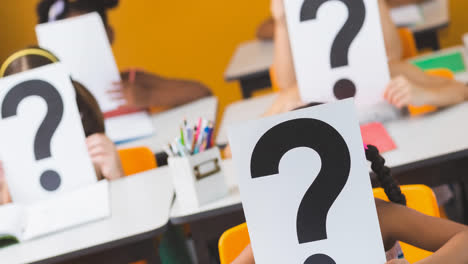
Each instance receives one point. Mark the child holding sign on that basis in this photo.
(399, 223)
(102, 151)
(409, 84)
(138, 88)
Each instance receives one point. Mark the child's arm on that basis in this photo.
(283, 61)
(390, 33)
(411, 85)
(446, 238)
(394, 3)
(104, 156)
(246, 257)
(266, 30)
(4, 193)
(147, 90)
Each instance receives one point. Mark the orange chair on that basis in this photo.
(408, 43)
(136, 160)
(419, 197)
(422, 199)
(274, 82)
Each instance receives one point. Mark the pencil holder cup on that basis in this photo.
(198, 179)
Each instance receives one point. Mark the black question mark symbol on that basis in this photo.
(50, 180)
(334, 173)
(343, 88)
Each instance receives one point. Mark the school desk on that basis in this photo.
(250, 65)
(252, 60)
(140, 211)
(242, 111)
(167, 124)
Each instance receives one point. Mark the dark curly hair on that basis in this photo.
(100, 6)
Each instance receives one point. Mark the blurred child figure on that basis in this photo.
(102, 151)
(409, 85)
(138, 88)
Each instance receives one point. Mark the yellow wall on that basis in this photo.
(186, 39)
(458, 24)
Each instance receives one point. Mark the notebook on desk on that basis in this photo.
(25, 222)
(81, 43)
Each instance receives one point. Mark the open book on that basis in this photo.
(21, 223)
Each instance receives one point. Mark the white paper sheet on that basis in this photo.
(76, 208)
(69, 154)
(129, 127)
(81, 44)
(271, 199)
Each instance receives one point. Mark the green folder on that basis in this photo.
(453, 61)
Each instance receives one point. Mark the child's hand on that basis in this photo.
(104, 156)
(4, 193)
(277, 10)
(133, 91)
(398, 261)
(401, 92)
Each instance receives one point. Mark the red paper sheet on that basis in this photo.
(375, 134)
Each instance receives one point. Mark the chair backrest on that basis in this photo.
(274, 82)
(233, 242)
(419, 197)
(408, 43)
(136, 160)
(422, 199)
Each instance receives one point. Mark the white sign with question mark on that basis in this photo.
(338, 50)
(42, 141)
(306, 189)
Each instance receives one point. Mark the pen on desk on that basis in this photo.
(181, 148)
(174, 149)
(197, 133)
(182, 137)
(209, 140)
(190, 138)
(168, 151)
(186, 135)
(202, 135)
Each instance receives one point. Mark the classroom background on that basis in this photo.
(182, 44)
(197, 40)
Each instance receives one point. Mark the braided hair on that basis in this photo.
(383, 173)
(86, 6)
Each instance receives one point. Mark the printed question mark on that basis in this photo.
(343, 88)
(336, 163)
(50, 180)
